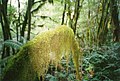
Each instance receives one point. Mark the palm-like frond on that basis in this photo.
(13, 44)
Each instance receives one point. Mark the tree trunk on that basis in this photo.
(114, 14)
(5, 27)
(24, 24)
(33, 60)
(63, 16)
(102, 29)
(74, 15)
(27, 19)
(30, 2)
(18, 23)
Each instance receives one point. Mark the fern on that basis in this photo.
(5, 60)
(13, 44)
(105, 63)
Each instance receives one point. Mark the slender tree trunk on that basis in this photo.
(24, 24)
(114, 14)
(18, 23)
(73, 15)
(102, 29)
(5, 27)
(76, 14)
(29, 18)
(63, 16)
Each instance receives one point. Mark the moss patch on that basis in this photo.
(33, 59)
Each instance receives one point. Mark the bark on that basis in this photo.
(29, 18)
(102, 29)
(76, 14)
(18, 23)
(5, 27)
(115, 14)
(73, 18)
(63, 16)
(24, 24)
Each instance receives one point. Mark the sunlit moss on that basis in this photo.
(34, 58)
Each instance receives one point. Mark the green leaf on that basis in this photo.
(13, 44)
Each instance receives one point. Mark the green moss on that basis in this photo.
(19, 68)
(33, 59)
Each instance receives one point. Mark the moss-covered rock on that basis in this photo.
(33, 59)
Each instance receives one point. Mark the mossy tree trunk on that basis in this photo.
(103, 23)
(115, 18)
(32, 61)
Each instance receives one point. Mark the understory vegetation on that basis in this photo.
(96, 28)
(99, 64)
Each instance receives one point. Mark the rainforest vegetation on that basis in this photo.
(59, 40)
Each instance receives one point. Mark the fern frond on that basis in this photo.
(5, 60)
(13, 44)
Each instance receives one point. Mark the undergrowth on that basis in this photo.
(102, 63)
(99, 64)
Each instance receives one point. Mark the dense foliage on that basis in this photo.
(95, 24)
(99, 63)
(102, 63)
